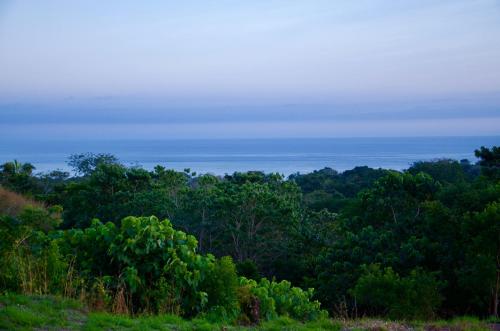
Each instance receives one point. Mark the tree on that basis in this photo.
(489, 160)
(482, 268)
(84, 164)
(255, 218)
(383, 291)
(18, 177)
(444, 170)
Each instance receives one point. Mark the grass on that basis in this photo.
(105, 321)
(19, 312)
(12, 203)
(458, 324)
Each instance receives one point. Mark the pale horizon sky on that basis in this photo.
(249, 69)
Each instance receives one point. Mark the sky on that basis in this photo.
(248, 69)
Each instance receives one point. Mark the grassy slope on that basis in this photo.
(12, 203)
(18, 312)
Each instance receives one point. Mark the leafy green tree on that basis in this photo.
(156, 266)
(316, 232)
(481, 273)
(18, 177)
(384, 292)
(255, 218)
(326, 188)
(84, 164)
(198, 212)
(49, 182)
(280, 298)
(221, 285)
(489, 160)
(444, 170)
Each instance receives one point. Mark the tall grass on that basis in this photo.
(12, 204)
(44, 272)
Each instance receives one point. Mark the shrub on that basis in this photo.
(154, 267)
(12, 204)
(39, 218)
(294, 301)
(221, 285)
(30, 262)
(281, 299)
(384, 292)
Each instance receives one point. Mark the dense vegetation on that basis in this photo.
(416, 244)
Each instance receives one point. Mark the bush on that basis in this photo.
(293, 301)
(30, 261)
(12, 203)
(281, 299)
(384, 292)
(221, 285)
(150, 266)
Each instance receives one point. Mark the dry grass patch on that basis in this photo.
(12, 203)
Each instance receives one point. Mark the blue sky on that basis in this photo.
(212, 69)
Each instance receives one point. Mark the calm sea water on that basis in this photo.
(271, 155)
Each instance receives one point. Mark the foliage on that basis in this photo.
(141, 266)
(384, 292)
(18, 177)
(149, 267)
(245, 216)
(435, 223)
(480, 273)
(446, 171)
(30, 262)
(11, 203)
(328, 189)
(221, 286)
(282, 299)
(153, 265)
(85, 164)
(489, 161)
(248, 269)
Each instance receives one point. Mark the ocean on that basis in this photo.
(284, 156)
